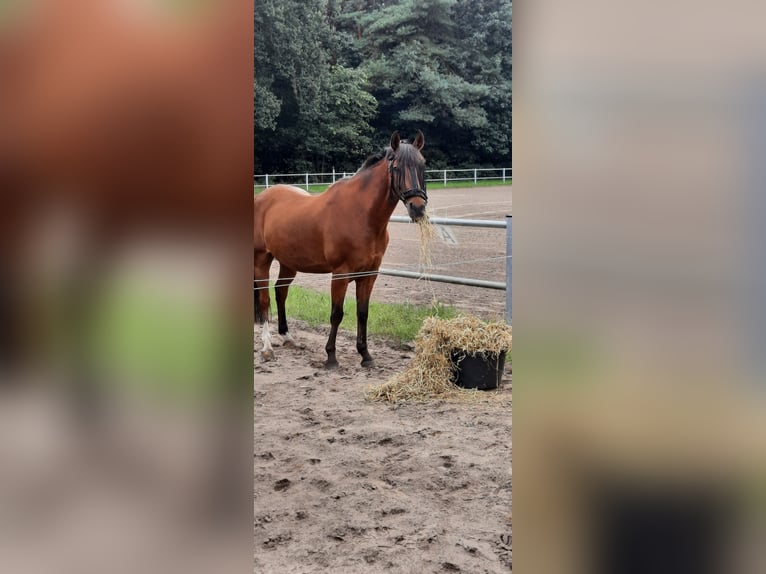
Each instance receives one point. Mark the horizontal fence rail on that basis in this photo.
(444, 279)
(443, 176)
(450, 221)
(506, 286)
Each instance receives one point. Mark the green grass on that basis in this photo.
(398, 322)
(320, 187)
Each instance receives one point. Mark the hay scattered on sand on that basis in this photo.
(429, 374)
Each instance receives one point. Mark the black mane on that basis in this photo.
(374, 159)
(405, 152)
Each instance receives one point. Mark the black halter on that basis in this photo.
(406, 194)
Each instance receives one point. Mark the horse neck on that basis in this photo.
(378, 207)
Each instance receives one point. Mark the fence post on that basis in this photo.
(333, 174)
(474, 175)
(307, 182)
(267, 180)
(445, 178)
(503, 175)
(508, 269)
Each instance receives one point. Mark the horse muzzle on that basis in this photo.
(415, 200)
(416, 212)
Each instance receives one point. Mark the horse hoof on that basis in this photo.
(331, 365)
(267, 355)
(368, 363)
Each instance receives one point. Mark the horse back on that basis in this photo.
(278, 201)
(307, 233)
(282, 207)
(281, 189)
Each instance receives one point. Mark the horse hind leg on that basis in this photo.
(286, 276)
(262, 301)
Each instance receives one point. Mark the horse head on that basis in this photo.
(407, 169)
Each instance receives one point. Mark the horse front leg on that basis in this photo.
(338, 294)
(363, 292)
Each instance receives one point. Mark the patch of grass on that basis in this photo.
(399, 322)
(320, 187)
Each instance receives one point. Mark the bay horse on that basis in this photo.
(343, 231)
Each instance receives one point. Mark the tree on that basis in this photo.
(334, 76)
(429, 70)
(486, 35)
(309, 110)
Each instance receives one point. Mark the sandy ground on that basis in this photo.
(343, 485)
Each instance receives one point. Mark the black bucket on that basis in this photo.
(482, 371)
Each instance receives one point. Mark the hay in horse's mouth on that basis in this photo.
(429, 374)
(426, 231)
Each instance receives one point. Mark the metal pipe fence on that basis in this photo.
(444, 278)
(481, 283)
(506, 286)
(451, 221)
(470, 176)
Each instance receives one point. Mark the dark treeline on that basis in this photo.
(333, 78)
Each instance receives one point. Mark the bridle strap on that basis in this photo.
(414, 192)
(406, 194)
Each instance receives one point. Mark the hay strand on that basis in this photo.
(427, 233)
(425, 264)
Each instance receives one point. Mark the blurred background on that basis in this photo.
(639, 287)
(125, 197)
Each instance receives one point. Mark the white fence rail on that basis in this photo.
(433, 176)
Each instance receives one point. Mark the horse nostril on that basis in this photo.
(417, 212)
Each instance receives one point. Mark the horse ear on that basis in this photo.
(395, 141)
(420, 140)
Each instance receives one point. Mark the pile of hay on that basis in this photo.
(429, 374)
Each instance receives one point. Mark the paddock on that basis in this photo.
(348, 486)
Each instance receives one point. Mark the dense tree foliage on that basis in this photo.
(333, 78)
(311, 110)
